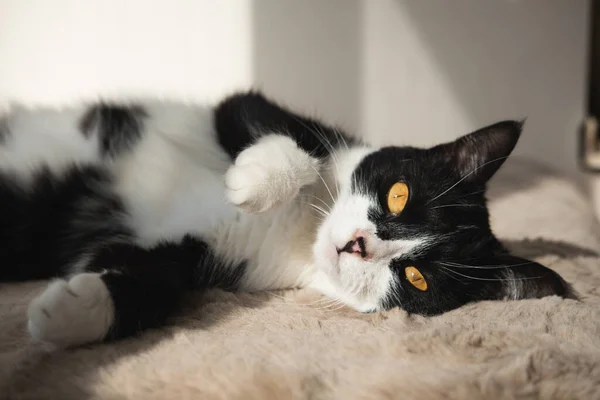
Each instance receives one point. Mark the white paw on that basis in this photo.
(269, 173)
(72, 313)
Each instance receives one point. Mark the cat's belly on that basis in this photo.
(170, 193)
(276, 247)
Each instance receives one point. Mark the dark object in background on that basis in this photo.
(589, 135)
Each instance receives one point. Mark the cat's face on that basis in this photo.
(410, 228)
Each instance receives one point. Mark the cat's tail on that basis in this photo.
(50, 221)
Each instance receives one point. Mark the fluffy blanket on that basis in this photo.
(297, 345)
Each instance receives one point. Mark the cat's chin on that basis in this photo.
(327, 278)
(327, 285)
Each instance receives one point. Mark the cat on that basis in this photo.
(131, 206)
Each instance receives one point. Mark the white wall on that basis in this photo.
(397, 71)
(60, 50)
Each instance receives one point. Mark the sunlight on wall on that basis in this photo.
(60, 50)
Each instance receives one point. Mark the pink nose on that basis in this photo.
(356, 246)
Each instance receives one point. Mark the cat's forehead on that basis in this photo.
(418, 167)
(393, 160)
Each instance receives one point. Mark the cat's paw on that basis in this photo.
(72, 313)
(269, 173)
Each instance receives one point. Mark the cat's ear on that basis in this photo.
(478, 155)
(525, 279)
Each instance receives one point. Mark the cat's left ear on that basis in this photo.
(478, 155)
(525, 279)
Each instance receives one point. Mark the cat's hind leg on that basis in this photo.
(126, 289)
(73, 312)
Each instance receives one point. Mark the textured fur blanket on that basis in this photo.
(297, 345)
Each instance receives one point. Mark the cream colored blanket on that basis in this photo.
(296, 345)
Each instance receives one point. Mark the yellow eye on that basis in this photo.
(397, 197)
(415, 278)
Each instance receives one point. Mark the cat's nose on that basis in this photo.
(356, 246)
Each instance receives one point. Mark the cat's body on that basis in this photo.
(158, 179)
(135, 205)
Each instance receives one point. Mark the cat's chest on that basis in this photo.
(276, 246)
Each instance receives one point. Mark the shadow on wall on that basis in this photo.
(309, 54)
(505, 59)
(511, 59)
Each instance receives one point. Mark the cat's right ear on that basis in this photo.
(478, 155)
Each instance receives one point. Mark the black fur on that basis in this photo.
(242, 118)
(146, 285)
(49, 226)
(118, 127)
(480, 276)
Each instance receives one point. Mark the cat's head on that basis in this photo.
(410, 228)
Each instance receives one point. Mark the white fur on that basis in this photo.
(269, 173)
(276, 241)
(172, 182)
(513, 287)
(72, 313)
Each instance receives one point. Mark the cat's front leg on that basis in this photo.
(269, 173)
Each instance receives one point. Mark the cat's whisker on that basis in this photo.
(320, 210)
(322, 134)
(458, 205)
(324, 183)
(465, 177)
(326, 212)
(489, 279)
(334, 153)
(470, 194)
(449, 275)
(490, 266)
(342, 305)
(322, 138)
(318, 198)
(321, 300)
(335, 302)
(335, 174)
(471, 266)
(341, 137)
(289, 304)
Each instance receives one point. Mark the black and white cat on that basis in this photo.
(134, 205)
